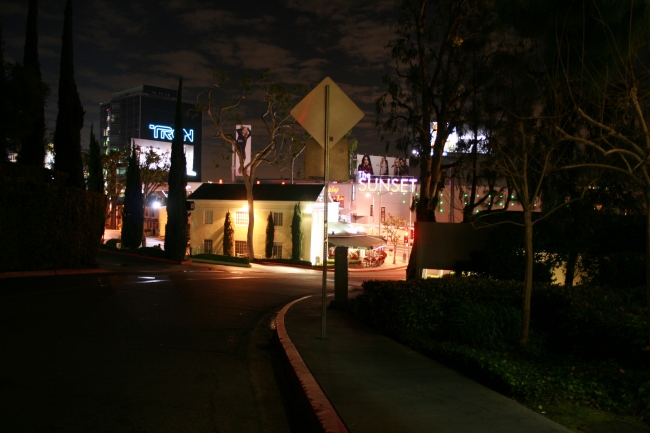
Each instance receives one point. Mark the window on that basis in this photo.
(207, 246)
(277, 249)
(277, 219)
(207, 217)
(241, 219)
(240, 248)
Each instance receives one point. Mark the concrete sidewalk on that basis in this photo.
(376, 385)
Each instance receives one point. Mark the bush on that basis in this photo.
(221, 258)
(44, 225)
(111, 244)
(488, 324)
(284, 261)
(586, 344)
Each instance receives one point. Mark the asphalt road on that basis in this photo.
(149, 347)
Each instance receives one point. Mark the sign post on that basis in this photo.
(313, 113)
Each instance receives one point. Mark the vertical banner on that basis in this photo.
(243, 137)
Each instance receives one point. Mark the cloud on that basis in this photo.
(192, 66)
(204, 20)
(11, 9)
(366, 40)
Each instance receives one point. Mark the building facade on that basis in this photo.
(144, 116)
(213, 201)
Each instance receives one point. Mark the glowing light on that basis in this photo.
(164, 132)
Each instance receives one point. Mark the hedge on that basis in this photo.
(44, 225)
(587, 344)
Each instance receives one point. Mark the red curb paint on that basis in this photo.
(329, 419)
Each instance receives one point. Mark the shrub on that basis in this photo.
(487, 324)
(586, 343)
(112, 243)
(45, 225)
(220, 258)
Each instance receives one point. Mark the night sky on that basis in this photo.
(124, 44)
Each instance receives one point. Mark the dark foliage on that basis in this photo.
(587, 344)
(296, 233)
(133, 212)
(95, 171)
(221, 258)
(228, 236)
(176, 229)
(66, 238)
(70, 118)
(270, 236)
(4, 103)
(33, 93)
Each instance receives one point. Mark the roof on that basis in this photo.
(271, 192)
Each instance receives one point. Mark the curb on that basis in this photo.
(51, 273)
(321, 406)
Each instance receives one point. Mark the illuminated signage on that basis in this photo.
(390, 184)
(333, 189)
(164, 132)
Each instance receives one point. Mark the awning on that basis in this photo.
(358, 241)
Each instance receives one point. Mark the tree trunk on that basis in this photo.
(647, 260)
(251, 221)
(571, 264)
(528, 279)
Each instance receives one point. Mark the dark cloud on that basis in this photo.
(121, 44)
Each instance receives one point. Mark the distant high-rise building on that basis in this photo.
(144, 116)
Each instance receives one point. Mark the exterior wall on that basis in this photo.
(200, 231)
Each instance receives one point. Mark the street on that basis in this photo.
(149, 347)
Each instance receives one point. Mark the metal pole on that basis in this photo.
(326, 174)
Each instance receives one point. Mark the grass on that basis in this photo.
(580, 419)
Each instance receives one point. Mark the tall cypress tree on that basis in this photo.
(296, 233)
(228, 236)
(176, 229)
(70, 119)
(4, 107)
(270, 236)
(95, 171)
(133, 213)
(33, 93)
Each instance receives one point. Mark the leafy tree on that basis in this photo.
(115, 182)
(95, 171)
(296, 233)
(133, 212)
(70, 118)
(270, 235)
(430, 83)
(615, 113)
(176, 229)
(392, 228)
(279, 125)
(228, 236)
(34, 93)
(154, 171)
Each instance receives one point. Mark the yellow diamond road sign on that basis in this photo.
(310, 113)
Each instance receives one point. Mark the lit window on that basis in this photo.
(240, 248)
(277, 250)
(241, 218)
(207, 217)
(207, 246)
